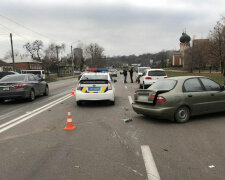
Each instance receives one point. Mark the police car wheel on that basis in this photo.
(111, 102)
(79, 103)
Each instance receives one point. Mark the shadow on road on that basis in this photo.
(205, 118)
(20, 101)
(95, 104)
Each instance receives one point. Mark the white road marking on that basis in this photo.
(130, 100)
(2, 117)
(28, 115)
(151, 169)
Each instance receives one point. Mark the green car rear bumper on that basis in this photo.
(154, 111)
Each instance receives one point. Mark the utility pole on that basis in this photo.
(13, 62)
(72, 59)
(57, 53)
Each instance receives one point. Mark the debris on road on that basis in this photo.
(77, 166)
(211, 166)
(165, 150)
(127, 120)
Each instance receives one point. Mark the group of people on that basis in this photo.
(125, 75)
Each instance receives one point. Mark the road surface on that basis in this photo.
(34, 145)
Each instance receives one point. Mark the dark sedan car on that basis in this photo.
(22, 86)
(5, 73)
(178, 98)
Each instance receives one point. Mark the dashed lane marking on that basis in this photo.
(16, 121)
(130, 100)
(151, 169)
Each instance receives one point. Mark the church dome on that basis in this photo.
(185, 38)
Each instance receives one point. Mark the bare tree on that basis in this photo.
(29, 49)
(217, 44)
(37, 47)
(94, 53)
(34, 49)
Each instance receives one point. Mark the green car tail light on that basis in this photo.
(160, 99)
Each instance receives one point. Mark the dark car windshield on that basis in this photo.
(12, 78)
(166, 84)
(156, 73)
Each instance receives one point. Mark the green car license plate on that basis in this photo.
(143, 98)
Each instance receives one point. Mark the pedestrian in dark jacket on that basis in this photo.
(125, 75)
(131, 75)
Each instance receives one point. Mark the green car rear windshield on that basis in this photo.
(167, 84)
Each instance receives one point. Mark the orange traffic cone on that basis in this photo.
(69, 124)
(72, 93)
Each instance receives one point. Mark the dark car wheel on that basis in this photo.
(32, 95)
(46, 93)
(182, 114)
(79, 103)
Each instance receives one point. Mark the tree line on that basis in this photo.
(208, 53)
(52, 56)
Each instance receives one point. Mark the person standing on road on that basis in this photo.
(125, 75)
(131, 75)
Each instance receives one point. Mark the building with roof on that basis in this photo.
(5, 66)
(24, 63)
(178, 57)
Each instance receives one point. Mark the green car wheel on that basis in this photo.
(182, 114)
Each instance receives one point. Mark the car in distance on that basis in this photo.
(150, 76)
(22, 86)
(38, 73)
(178, 98)
(95, 86)
(5, 73)
(140, 72)
(113, 72)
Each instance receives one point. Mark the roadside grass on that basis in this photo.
(175, 68)
(214, 76)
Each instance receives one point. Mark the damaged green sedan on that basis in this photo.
(178, 98)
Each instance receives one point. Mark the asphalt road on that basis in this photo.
(34, 145)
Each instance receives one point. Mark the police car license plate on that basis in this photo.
(93, 89)
(5, 89)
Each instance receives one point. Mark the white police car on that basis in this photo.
(95, 85)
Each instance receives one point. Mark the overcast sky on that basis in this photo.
(122, 27)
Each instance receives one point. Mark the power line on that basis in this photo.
(13, 32)
(9, 19)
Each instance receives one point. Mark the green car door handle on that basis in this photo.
(189, 95)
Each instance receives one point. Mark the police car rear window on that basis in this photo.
(94, 77)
